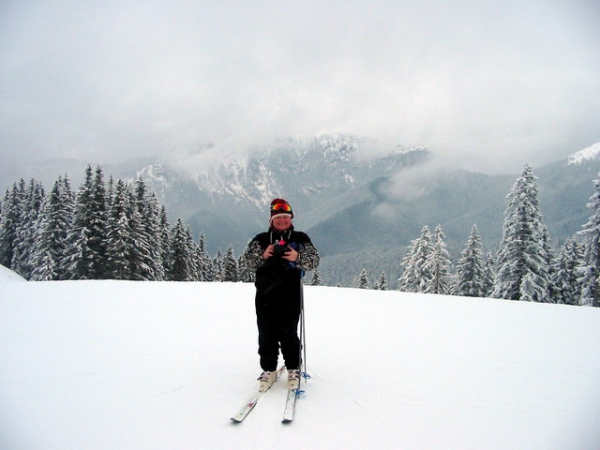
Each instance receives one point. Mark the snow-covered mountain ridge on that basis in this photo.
(589, 153)
(325, 162)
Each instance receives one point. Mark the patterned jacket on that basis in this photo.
(308, 257)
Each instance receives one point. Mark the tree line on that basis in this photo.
(525, 267)
(115, 230)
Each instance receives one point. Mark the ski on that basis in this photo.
(290, 404)
(251, 403)
(243, 413)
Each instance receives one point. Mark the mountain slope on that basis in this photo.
(100, 365)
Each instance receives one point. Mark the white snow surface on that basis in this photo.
(589, 153)
(8, 275)
(161, 365)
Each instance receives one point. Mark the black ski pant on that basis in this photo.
(278, 314)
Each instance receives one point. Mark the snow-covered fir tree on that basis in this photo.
(87, 259)
(437, 265)
(244, 274)
(567, 270)
(205, 262)
(27, 231)
(219, 267)
(416, 275)
(182, 266)
(230, 266)
(381, 284)
(146, 248)
(522, 258)
(10, 220)
(52, 240)
(489, 275)
(98, 225)
(549, 260)
(362, 282)
(470, 270)
(164, 241)
(316, 278)
(590, 278)
(121, 262)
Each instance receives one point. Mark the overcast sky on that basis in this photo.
(496, 83)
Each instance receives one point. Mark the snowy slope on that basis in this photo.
(138, 365)
(8, 275)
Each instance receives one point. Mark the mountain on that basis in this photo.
(587, 154)
(361, 211)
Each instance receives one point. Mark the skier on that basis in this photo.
(279, 256)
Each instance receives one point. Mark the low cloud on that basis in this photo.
(492, 85)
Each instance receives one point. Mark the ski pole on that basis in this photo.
(303, 373)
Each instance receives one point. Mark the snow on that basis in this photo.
(9, 275)
(162, 365)
(586, 154)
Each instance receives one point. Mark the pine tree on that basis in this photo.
(230, 266)
(316, 278)
(437, 265)
(121, 264)
(164, 238)
(9, 224)
(489, 275)
(567, 271)
(52, 244)
(244, 273)
(219, 267)
(470, 276)
(87, 257)
(205, 262)
(381, 284)
(193, 250)
(182, 267)
(363, 281)
(416, 275)
(590, 279)
(63, 217)
(99, 225)
(548, 258)
(522, 258)
(145, 222)
(27, 230)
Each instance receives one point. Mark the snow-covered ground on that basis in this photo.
(146, 365)
(9, 275)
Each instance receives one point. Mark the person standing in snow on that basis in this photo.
(279, 256)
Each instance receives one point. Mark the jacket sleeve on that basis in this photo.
(253, 255)
(308, 257)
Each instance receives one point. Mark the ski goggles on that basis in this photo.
(284, 207)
